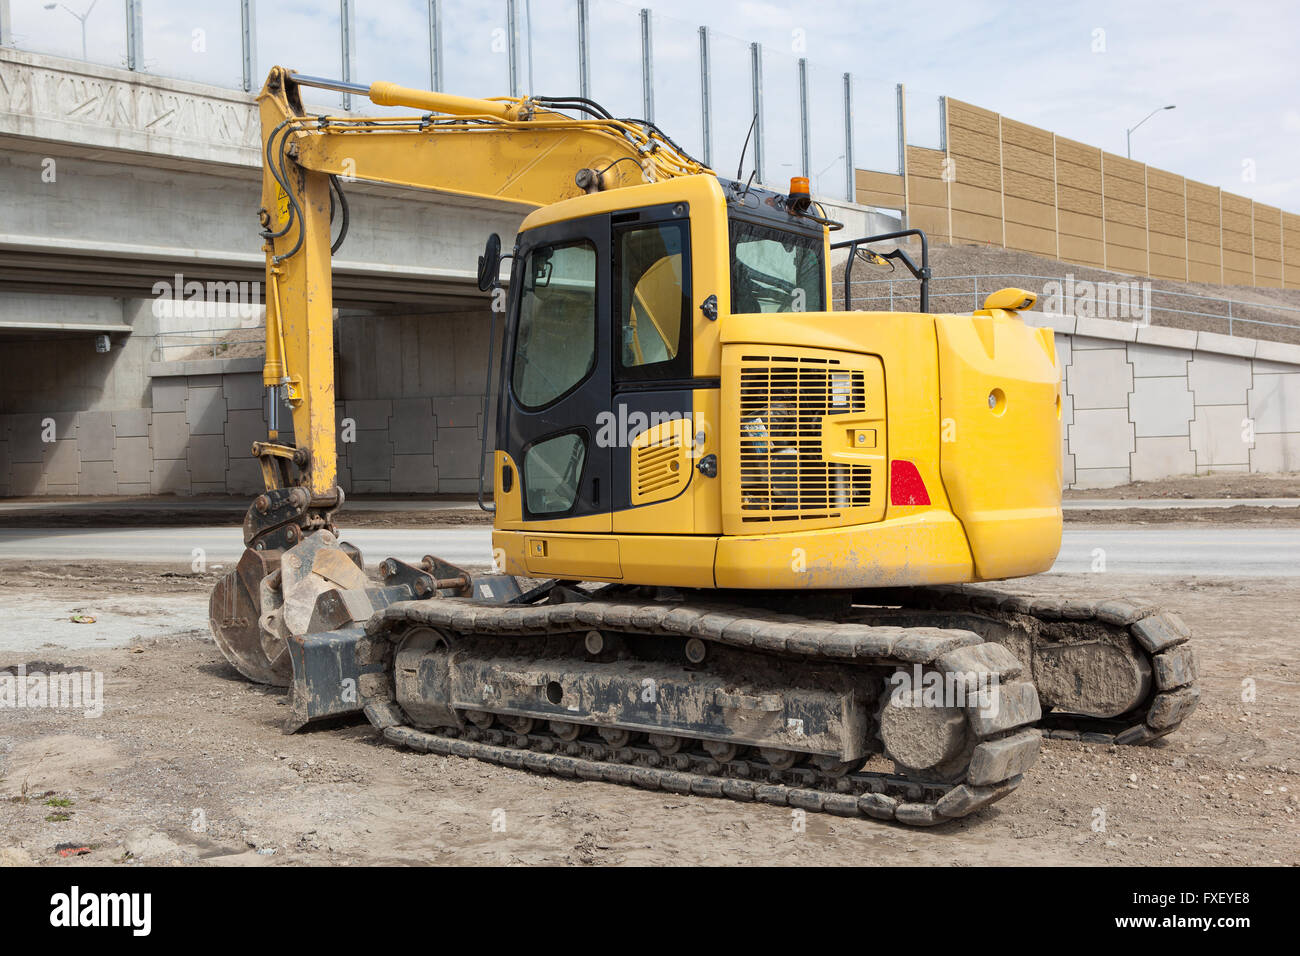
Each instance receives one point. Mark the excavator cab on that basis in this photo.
(679, 406)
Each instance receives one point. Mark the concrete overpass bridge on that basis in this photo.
(113, 179)
(114, 185)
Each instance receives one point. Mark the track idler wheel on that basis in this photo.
(926, 742)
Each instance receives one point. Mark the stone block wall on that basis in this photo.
(1142, 403)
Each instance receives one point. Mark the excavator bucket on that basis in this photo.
(292, 618)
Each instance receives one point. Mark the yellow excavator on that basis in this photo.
(738, 536)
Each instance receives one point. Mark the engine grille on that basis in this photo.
(783, 472)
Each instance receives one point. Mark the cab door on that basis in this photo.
(558, 378)
(654, 389)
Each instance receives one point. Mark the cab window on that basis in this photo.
(775, 270)
(552, 472)
(653, 277)
(555, 343)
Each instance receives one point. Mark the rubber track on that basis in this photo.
(879, 796)
(1161, 635)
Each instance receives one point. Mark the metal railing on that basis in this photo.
(1164, 303)
(806, 112)
(190, 344)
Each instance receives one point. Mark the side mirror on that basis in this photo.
(489, 264)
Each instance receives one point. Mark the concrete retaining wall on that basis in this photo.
(411, 390)
(1150, 402)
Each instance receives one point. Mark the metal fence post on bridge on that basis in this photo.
(584, 53)
(850, 175)
(647, 66)
(248, 42)
(512, 45)
(348, 41)
(134, 34)
(706, 97)
(901, 93)
(6, 33)
(435, 45)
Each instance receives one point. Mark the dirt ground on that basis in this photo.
(1235, 517)
(1200, 487)
(187, 764)
(1260, 485)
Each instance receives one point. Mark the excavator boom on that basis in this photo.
(508, 149)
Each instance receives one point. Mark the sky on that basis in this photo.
(1087, 71)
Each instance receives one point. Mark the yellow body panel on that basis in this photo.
(928, 547)
(706, 493)
(659, 560)
(696, 507)
(992, 474)
(1001, 457)
(509, 504)
(676, 516)
(925, 548)
(581, 556)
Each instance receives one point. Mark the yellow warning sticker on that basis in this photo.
(281, 206)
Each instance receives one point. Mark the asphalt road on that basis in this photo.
(224, 545)
(1251, 552)
(1233, 552)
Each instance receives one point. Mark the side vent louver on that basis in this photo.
(661, 464)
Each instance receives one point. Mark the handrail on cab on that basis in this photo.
(922, 273)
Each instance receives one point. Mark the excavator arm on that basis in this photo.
(514, 149)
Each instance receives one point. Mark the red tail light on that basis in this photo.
(905, 485)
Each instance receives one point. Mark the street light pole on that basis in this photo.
(1144, 119)
(80, 16)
